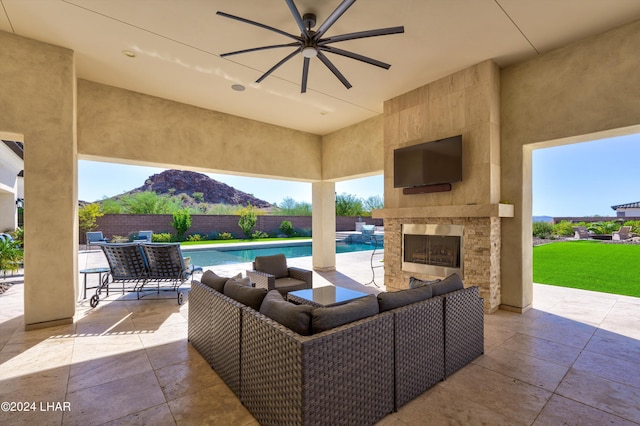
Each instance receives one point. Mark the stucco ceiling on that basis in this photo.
(178, 46)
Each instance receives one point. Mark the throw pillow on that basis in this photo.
(414, 282)
(246, 281)
(249, 296)
(335, 316)
(216, 282)
(449, 284)
(275, 265)
(394, 299)
(294, 317)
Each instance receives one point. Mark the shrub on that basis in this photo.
(248, 220)
(634, 224)
(603, 227)
(542, 229)
(11, 255)
(225, 236)
(198, 196)
(304, 232)
(287, 228)
(162, 238)
(87, 217)
(259, 234)
(195, 237)
(119, 239)
(564, 228)
(181, 223)
(213, 235)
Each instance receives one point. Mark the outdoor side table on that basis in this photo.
(98, 271)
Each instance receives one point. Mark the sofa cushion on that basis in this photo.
(394, 299)
(246, 281)
(275, 265)
(294, 317)
(333, 316)
(216, 282)
(414, 282)
(249, 296)
(449, 284)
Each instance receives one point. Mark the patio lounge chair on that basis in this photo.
(581, 233)
(272, 273)
(95, 237)
(624, 233)
(136, 267)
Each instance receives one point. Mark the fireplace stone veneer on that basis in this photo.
(480, 253)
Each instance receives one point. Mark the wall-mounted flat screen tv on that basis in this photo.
(429, 163)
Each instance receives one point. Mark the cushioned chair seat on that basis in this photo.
(272, 273)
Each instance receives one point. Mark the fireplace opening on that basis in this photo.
(432, 249)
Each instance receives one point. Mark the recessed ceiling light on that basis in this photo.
(238, 87)
(129, 53)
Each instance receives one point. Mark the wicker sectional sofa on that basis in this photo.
(356, 373)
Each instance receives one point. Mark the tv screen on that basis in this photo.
(428, 163)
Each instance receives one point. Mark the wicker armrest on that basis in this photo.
(262, 279)
(302, 274)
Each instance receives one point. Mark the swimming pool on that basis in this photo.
(226, 256)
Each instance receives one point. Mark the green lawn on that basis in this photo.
(589, 265)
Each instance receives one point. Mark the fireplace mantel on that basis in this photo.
(467, 210)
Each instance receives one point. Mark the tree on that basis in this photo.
(11, 255)
(291, 207)
(349, 205)
(148, 202)
(248, 220)
(373, 202)
(87, 217)
(181, 223)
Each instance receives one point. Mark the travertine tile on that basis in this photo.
(112, 400)
(547, 350)
(160, 415)
(615, 345)
(561, 330)
(606, 395)
(611, 368)
(483, 386)
(105, 369)
(185, 378)
(563, 411)
(528, 369)
(211, 406)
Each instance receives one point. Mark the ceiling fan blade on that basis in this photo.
(297, 17)
(334, 70)
(362, 34)
(258, 24)
(254, 49)
(335, 15)
(355, 56)
(305, 75)
(276, 66)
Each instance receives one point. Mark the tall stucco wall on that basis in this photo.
(588, 87)
(136, 128)
(354, 151)
(37, 87)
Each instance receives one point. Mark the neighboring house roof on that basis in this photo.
(16, 147)
(634, 205)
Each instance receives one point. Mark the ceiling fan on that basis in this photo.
(310, 43)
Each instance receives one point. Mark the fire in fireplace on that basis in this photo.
(432, 249)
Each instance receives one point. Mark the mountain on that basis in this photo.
(542, 219)
(176, 182)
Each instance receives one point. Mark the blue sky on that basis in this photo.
(587, 178)
(97, 180)
(581, 179)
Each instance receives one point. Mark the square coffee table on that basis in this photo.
(324, 296)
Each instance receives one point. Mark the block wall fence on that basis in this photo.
(126, 224)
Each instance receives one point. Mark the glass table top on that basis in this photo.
(327, 295)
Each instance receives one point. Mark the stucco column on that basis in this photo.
(324, 225)
(37, 82)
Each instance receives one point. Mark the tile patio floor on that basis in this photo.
(574, 359)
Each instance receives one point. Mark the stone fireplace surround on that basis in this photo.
(481, 245)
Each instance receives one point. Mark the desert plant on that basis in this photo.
(248, 220)
(603, 227)
(259, 234)
(181, 223)
(564, 228)
(287, 228)
(87, 217)
(11, 255)
(162, 238)
(634, 224)
(195, 237)
(225, 236)
(542, 229)
(198, 196)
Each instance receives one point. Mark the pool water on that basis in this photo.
(213, 257)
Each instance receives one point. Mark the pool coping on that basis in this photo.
(247, 246)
